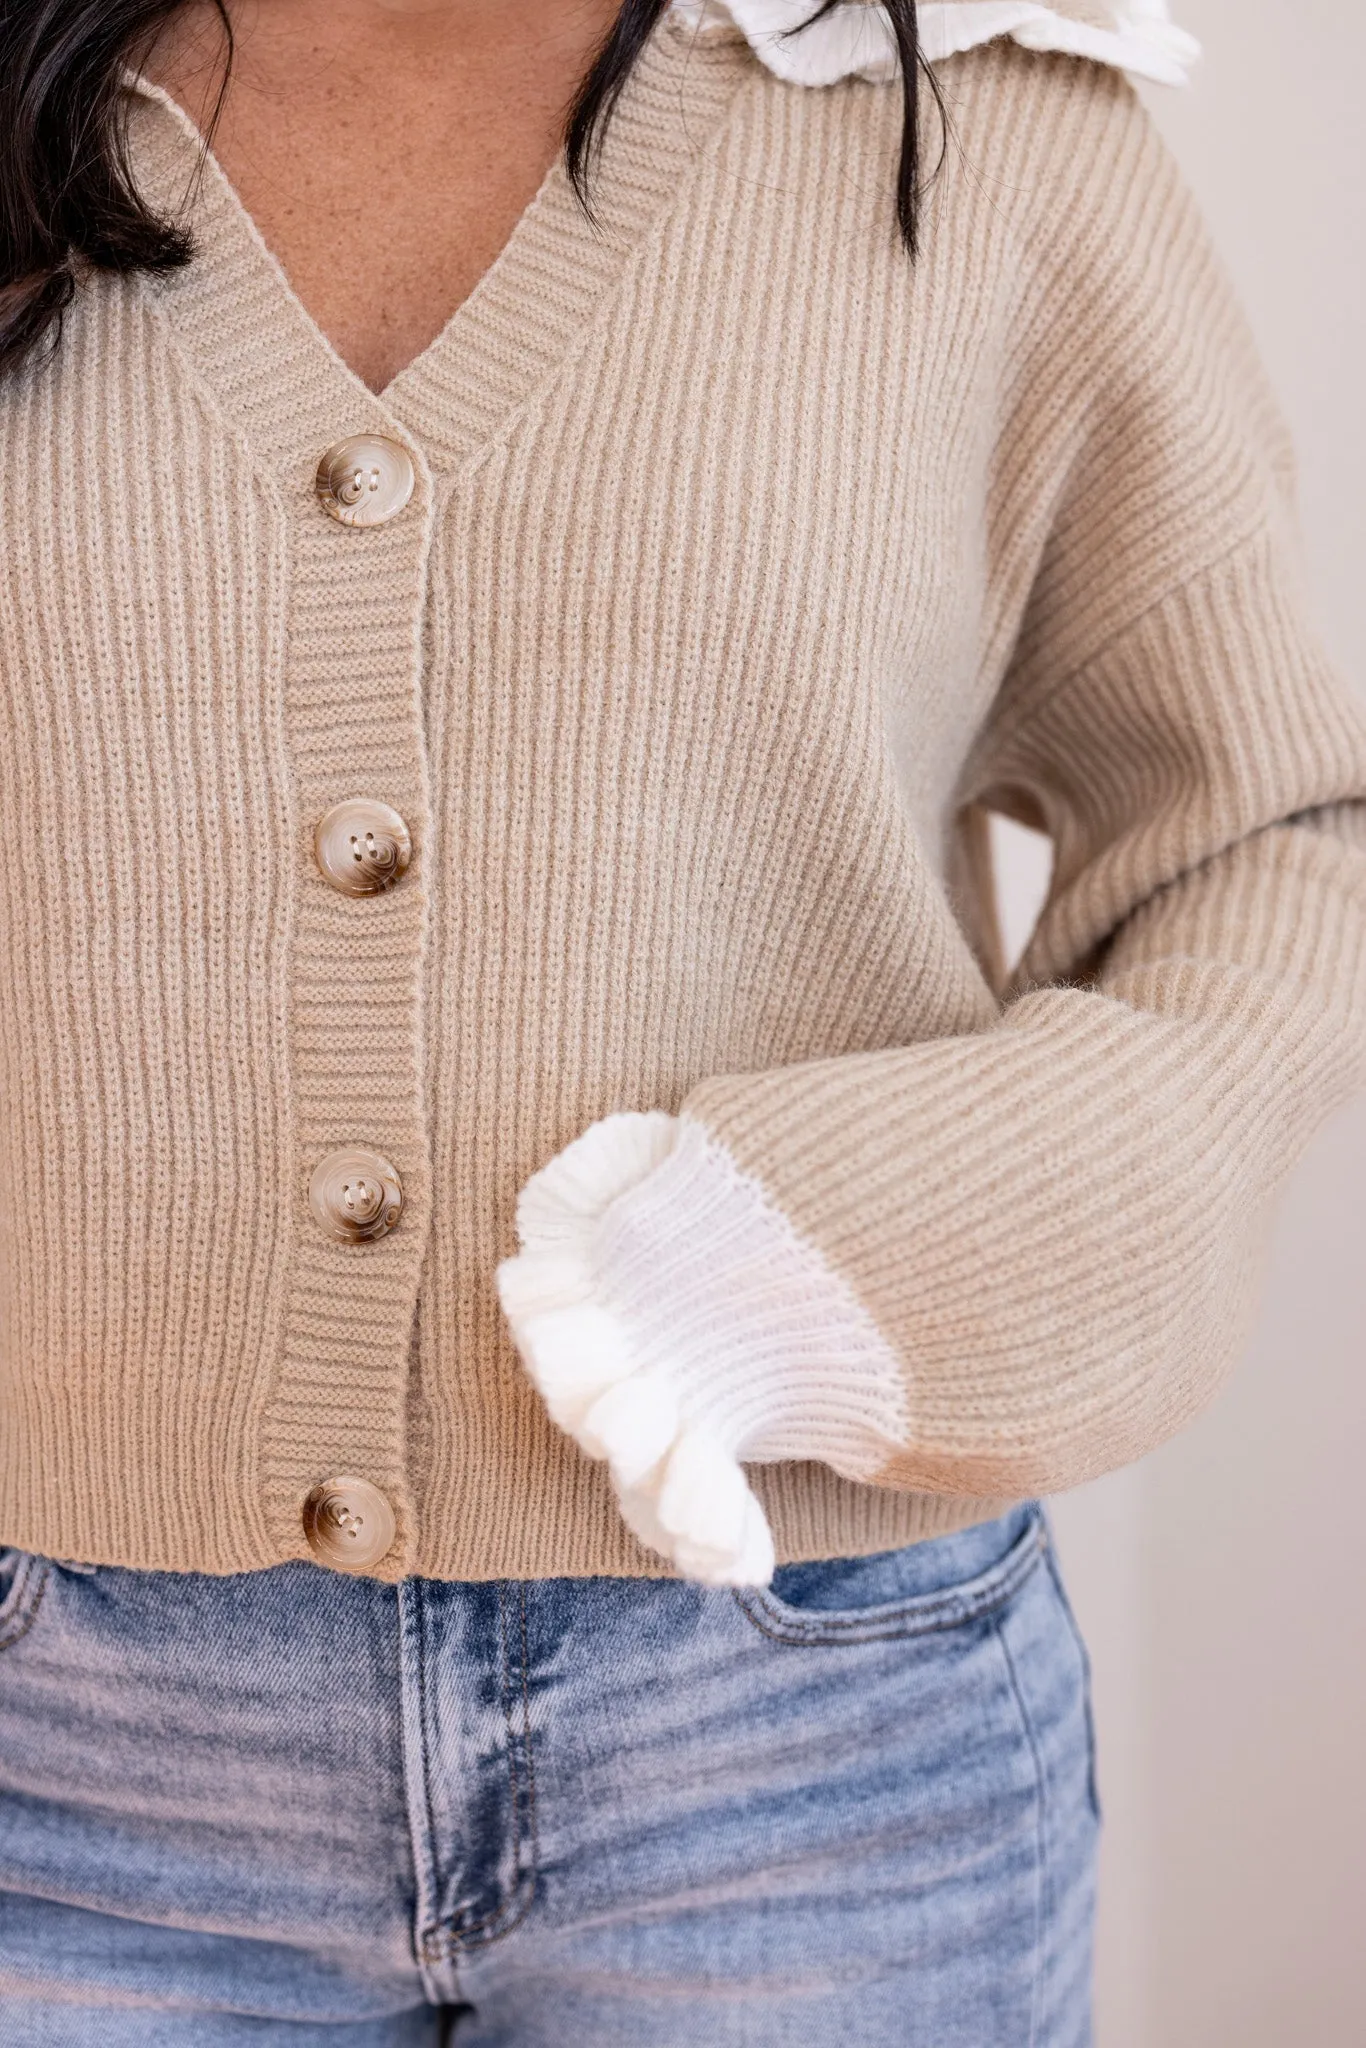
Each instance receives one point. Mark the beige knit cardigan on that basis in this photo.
(748, 564)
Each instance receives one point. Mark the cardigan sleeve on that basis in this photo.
(1004, 1263)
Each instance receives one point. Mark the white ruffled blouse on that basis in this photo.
(854, 40)
(673, 1321)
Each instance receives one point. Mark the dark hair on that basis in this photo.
(68, 203)
(593, 103)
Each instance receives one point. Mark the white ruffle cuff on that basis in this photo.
(677, 1326)
(854, 40)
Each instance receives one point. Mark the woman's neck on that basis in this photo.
(385, 148)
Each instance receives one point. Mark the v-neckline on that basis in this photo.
(264, 355)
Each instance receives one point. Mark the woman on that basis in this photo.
(545, 1264)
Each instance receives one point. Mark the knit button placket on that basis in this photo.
(355, 731)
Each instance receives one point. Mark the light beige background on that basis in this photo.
(1223, 1582)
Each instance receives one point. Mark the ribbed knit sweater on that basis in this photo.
(748, 566)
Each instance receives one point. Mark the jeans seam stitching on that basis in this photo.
(533, 1813)
(430, 1874)
(445, 1942)
(1042, 1902)
(1084, 1654)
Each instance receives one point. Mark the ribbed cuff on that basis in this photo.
(676, 1324)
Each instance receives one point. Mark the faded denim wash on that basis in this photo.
(297, 1808)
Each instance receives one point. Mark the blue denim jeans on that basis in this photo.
(578, 1813)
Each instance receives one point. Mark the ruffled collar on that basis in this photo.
(854, 40)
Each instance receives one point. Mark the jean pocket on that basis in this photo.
(22, 1580)
(795, 1608)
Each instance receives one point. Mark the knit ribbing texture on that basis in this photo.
(748, 564)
